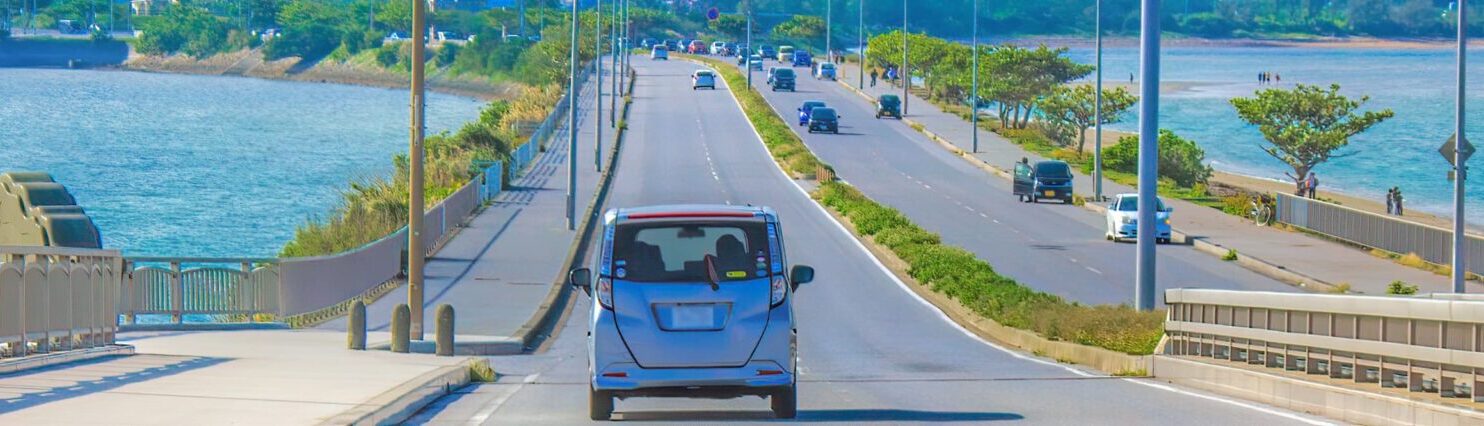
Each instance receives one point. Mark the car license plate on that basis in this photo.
(1050, 193)
(694, 317)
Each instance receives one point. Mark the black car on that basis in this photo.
(782, 79)
(824, 120)
(1050, 179)
(889, 106)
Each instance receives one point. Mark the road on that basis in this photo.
(1052, 247)
(869, 349)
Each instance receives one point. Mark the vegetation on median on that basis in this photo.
(947, 269)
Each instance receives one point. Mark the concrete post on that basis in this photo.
(445, 330)
(355, 331)
(416, 253)
(177, 294)
(400, 319)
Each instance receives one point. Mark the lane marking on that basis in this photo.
(944, 316)
(483, 415)
(1250, 406)
(1094, 270)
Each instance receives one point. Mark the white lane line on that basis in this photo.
(484, 414)
(1259, 408)
(991, 220)
(944, 317)
(1094, 270)
(1074, 260)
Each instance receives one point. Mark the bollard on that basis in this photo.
(355, 331)
(445, 330)
(401, 323)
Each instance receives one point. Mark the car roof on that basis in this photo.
(1050, 161)
(688, 210)
(814, 102)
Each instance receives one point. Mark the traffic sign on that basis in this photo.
(713, 14)
(1465, 149)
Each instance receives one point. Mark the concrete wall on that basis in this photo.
(54, 53)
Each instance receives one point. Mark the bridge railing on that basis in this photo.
(57, 299)
(171, 289)
(1424, 344)
(1390, 233)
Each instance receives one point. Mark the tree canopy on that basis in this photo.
(1307, 125)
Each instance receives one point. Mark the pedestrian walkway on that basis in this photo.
(267, 377)
(497, 272)
(1332, 262)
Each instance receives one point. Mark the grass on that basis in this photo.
(1231, 255)
(950, 270)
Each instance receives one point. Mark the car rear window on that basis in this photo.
(1053, 169)
(823, 113)
(676, 252)
(784, 72)
(890, 99)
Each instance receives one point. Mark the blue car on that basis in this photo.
(802, 59)
(806, 108)
(692, 301)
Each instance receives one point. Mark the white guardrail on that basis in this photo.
(1424, 344)
(57, 299)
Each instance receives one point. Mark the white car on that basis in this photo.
(659, 53)
(717, 47)
(703, 78)
(1123, 219)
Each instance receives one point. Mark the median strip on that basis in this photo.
(948, 270)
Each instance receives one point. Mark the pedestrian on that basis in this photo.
(1312, 185)
(1130, 78)
(1259, 77)
(1397, 192)
(1390, 201)
(1277, 78)
(873, 77)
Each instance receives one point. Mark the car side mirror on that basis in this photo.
(800, 274)
(1169, 209)
(582, 279)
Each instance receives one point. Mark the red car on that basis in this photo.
(696, 47)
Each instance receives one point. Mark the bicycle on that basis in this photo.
(1261, 212)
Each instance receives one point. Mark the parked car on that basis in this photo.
(824, 119)
(717, 47)
(729, 49)
(785, 53)
(825, 71)
(781, 78)
(1123, 219)
(659, 53)
(806, 108)
(648, 43)
(697, 47)
(677, 306)
(1046, 179)
(802, 59)
(672, 44)
(766, 51)
(755, 62)
(703, 78)
(889, 106)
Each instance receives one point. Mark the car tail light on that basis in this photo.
(605, 292)
(780, 290)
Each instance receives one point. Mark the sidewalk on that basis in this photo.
(277, 377)
(499, 270)
(1331, 262)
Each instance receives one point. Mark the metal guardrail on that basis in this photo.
(1389, 233)
(1423, 344)
(249, 288)
(57, 299)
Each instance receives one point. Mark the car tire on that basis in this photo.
(1035, 199)
(785, 403)
(599, 404)
(1109, 237)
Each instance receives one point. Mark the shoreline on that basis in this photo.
(1318, 42)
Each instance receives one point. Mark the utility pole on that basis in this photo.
(829, 16)
(598, 85)
(1460, 155)
(613, 48)
(628, 28)
(906, 69)
(416, 253)
(747, 56)
(860, 41)
(572, 126)
(1148, 153)
(1097, 108)
(974, 95)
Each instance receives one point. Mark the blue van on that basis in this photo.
(692, 301)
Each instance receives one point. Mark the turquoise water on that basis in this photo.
(179, 165)
(1418, 84)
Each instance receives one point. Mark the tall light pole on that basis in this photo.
(415, 201)
(613, 49)
(974, 95)
(1460, 155)
(829, 17)
(572, 126)
(598, 85)
(860, 41)
(748, 55)
(906, 69)
(1148, 152)
(1097, 109)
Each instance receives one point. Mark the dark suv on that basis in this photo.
(782, 79)
(825, 120)
(1050, 179)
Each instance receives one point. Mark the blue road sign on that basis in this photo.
(713, 14)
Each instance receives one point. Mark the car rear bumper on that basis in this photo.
(1132, 231)
(757, 376)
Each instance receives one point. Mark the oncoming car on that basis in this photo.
(691, 301)
(659, 53)
(1123, 219)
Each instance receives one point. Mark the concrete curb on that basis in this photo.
(544, 321)
(1258, 265)
(57, 358)
(464, 345)
(402, 402)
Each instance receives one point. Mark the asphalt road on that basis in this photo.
(869, 350)
(1052, 247)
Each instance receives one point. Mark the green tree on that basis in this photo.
(396, 15)
(1305, 126)
(1076, 107)
(730, 25)
(184, 29)
(1019, 79)
(801, 27)
(1180, 160)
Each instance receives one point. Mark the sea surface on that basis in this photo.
(1417, 84)
(204, 166)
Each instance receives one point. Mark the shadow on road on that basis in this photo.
(62, 382)
(809, 416)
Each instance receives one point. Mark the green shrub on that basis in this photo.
(1231, 255)
(1179, 158)
(899, 237)
(1400, 287)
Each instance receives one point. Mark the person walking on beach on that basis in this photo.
(1396, 192)
(1391, 201)
(1277, 78)
(873, 77)
(1311, 185)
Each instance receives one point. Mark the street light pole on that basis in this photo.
(747, 56)
(974, 95)
(860, 41)
(618, 76)
(1097, 133)
(829, 17)
(415, 202)
(906, 69)
(598, 85)
(1148, 153)
(572, 126)
(1460, 266)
